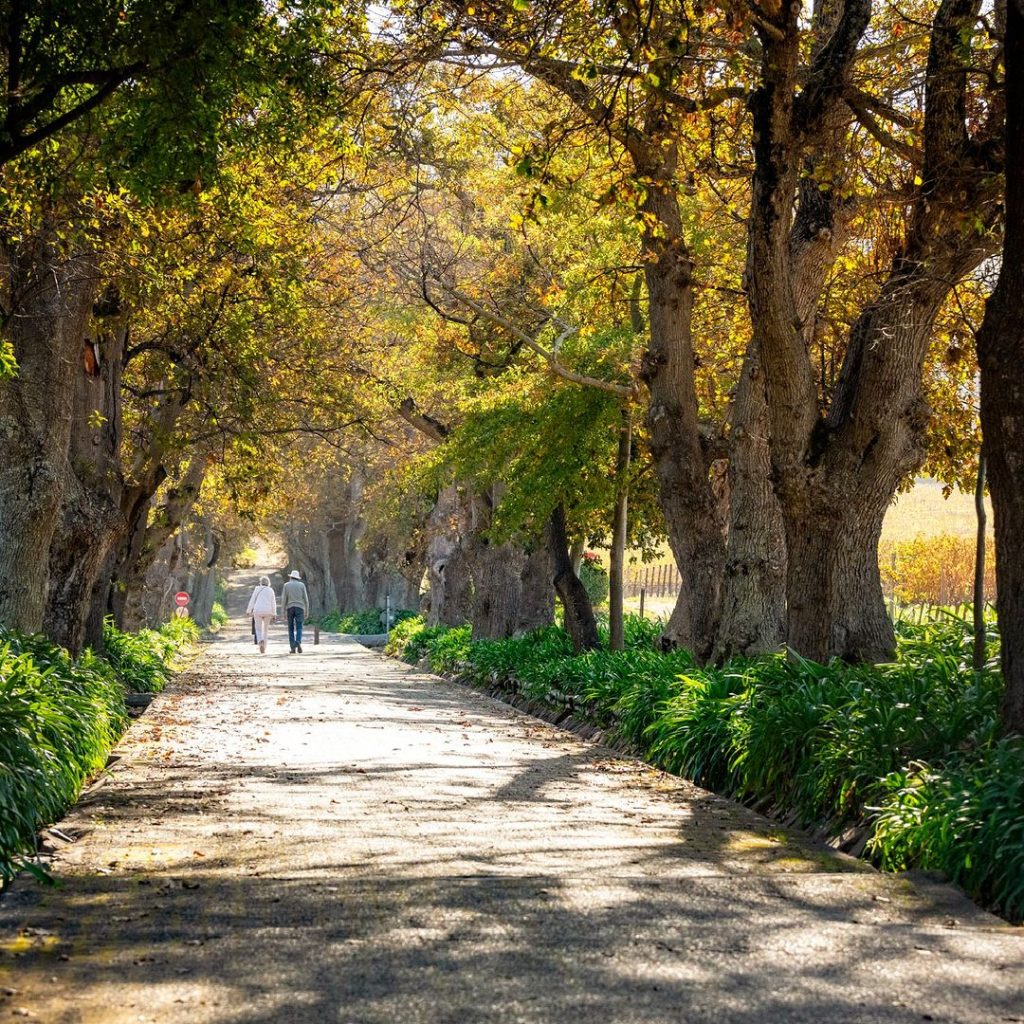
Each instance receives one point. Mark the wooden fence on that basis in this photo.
(662, 581)
(653, 580)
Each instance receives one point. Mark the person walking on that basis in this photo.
(262, 607)
(295, 602)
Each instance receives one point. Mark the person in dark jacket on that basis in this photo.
(295, 602)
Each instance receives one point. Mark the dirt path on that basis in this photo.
(335, 838)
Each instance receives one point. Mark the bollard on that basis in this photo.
(643, 594)
(316, 633)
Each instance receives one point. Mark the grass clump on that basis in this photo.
(146, 660)
(59, 719)
(964, 817)
(218, 616)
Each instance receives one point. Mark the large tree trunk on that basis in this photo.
(579, 612)
(128, 550)
(449, 560)
(684, 489)
(1001, 353)
(497, 589)
(872, 439)
(537, 595)
(51, 297)
(500, 572)
(90, 519)
(309, 552)
(203, 585)
(349, 570)
(754, 582)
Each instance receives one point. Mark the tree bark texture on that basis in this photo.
(449, 562)
(308, 549)
(1000, 354)
(620, 528)
(90, 520)
(137, 607)
(753, 612)
(510, 593)
(52, 296)
(580, 622)
(347, 564)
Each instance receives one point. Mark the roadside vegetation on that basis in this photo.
(902, 762)
(60, 717)
(367, 622)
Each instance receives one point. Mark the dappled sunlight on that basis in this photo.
(335, 836)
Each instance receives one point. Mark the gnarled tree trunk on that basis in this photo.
(836, 474)
(133, 607)
(684, 489)
(579, 612)
(51, 296)
(449, 560)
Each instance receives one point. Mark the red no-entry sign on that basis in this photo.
(181, 599)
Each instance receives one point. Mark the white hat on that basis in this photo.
(294, 575)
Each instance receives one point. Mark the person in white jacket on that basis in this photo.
(262, 607)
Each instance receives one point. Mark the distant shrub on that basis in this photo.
(934, 570)
(594, 578)
(218, 616)
(145, 660)
(369, 621)
(246, 558)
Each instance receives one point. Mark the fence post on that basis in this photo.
(643, 594)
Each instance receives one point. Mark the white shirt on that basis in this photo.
(262, 602)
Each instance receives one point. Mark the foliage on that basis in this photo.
(218, 616)
(409, 638)
(964, 817)
(144, 660)
(8, 364)
(246, 558)
(908, 751)
(367, 622)
(934, 570)
(59, 718)
(448, 650)
(594, 578)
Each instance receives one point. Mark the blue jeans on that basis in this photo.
(295, 617)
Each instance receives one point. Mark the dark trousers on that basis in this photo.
(295, 617)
